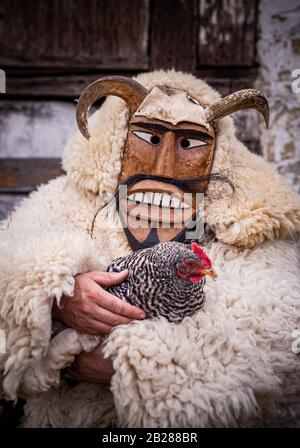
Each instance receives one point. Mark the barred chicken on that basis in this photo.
(164, 280)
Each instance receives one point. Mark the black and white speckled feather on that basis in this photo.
(154, 285)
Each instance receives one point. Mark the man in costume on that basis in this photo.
(232, 363)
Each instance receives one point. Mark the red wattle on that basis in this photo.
(196, 278)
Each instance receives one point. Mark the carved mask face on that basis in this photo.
(156, 209)
(169, 151)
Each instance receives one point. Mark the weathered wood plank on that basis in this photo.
(173, 34)
(227, 32)
(45, 85)
(24, 175)
(74, 33)
(70, 85)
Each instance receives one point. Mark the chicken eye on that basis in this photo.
(148, 137)
(189, 143)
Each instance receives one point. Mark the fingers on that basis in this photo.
(109, 278)
(91, 367)
(106, 300)
(117, 306)
(111, 319)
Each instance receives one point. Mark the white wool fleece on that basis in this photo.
(41, 252)
(231, 364)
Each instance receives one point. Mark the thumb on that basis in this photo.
(109, 278)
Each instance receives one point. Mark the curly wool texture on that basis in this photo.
(229, 365)
(62, 408)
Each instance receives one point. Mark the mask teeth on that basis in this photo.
(158, 199)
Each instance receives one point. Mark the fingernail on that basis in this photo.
(142, 315)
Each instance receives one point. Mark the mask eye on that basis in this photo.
(189, 143)
(148, 137)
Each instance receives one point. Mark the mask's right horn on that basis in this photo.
(242, 99)
(126, 88)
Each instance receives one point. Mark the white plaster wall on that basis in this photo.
(8, 202)
(35, 128)
(278, 55)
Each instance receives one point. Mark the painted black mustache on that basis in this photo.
(185, 185)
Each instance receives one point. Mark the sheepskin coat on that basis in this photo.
(231, 364)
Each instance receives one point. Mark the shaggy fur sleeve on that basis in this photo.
(41, 252)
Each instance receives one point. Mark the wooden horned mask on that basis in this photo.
(168, 154)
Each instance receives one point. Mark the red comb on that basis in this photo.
(201, 254)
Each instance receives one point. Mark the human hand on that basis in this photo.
(91, 367)
(91, 309)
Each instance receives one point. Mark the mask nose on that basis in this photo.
(164, 164)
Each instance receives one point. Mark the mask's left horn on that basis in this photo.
(242, 99)
(126, 88)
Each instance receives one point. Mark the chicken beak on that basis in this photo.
(211, 272)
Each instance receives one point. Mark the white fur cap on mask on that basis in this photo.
(174, 106)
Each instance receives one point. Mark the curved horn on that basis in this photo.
(242, 99)
(126, 88)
